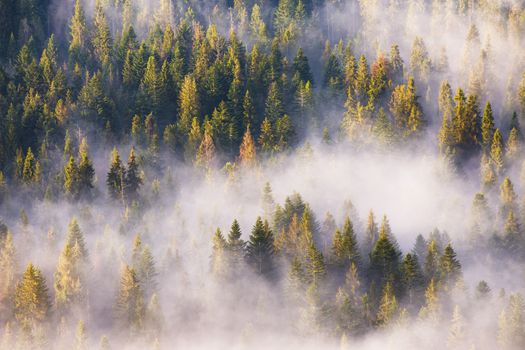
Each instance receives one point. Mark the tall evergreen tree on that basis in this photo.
(31, 300)
(130, 307)
(259, 249)
(132, 179)
(115, 176)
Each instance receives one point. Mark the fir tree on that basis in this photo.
(71, 177)
(344, 249)
(259, 249)
(29, 171)
(450, 267)
(86, 172)
(487, 128)
(411, 276)
(31, 300)
(78, 45)
(384, 258)
(130, 307)
(496, 151)
(247, 152)
(387, 306)
(219, 263)
(115, 176)
(236, 248)
(132, 179)
(102, 43)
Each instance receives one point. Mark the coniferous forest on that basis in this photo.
(262, 174)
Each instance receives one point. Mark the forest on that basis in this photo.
(262, 174)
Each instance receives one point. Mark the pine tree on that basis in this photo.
(130, 307)
(411, 276)
(302, 67)
(86, 172)
(146, 272)
(28, 174)
(432, 309)
(315, 265)
(507, 198)
(257, 26)
(487, 128)
(205, 158)
(387, 306)
(371, 234)
(259, 249)
(512, 236)
(362, 80)
(274, 108)
(31, 300)
(219, 263)
(115, 176)
(450, 267)
(266, 137)
(344, 249)
(513, 145)
(102, 43)
(188, 104)
(431, 266)
(496, 152)
(247, 152)
(236, 249)
(68, 277)
(396, 64)
(76, 237)
(333, 76)
(384, 258)
(71, 176)
(78, 45)
(132, 179)
(511, 329)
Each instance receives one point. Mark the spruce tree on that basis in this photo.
(259, 249)
(387, 306)
(450, 267)
(344, 249)
(31, 299)
(247, 152)
(236, 249)
(132, 178)
(411, 276)
(302, 67)
(130, 308)
(384, 258)
(78, 45)
(188, 104)
(115, 176)
(76, 237)
(102, 43)
(487, 128)
(86, 172)
(496, 152)
(71, 176)
(219, 263)
(28, 173)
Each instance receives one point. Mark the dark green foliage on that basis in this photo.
(344, 247)
(259, 249)
(132, 179)
(384, 258)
